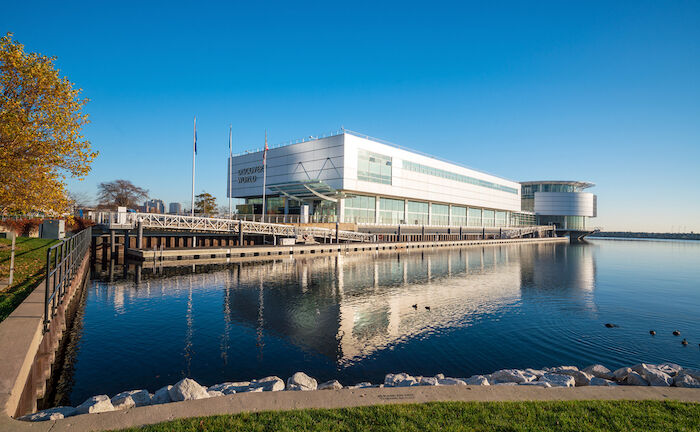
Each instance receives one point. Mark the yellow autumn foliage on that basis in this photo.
(41, 117)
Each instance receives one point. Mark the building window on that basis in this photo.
(373, 167)
(424, 169)
(501, 219)
(417, 213)
(360, 209)
(440, 214)
(488, 218)
(458, 216)
(474, 217)
(391, 211)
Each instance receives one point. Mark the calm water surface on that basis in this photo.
(350, 317)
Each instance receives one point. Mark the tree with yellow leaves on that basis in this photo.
(41, 116)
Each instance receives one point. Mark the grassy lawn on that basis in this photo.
(30, 260)
(463, 416)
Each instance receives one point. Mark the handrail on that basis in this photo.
(67, 258)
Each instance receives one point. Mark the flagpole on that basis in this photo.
(194, 153)
(264, 177)
(230, 170)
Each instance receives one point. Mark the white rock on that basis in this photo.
(162, 396)
(187, 389)
(633, 378)
(130, 399)
(271, 383)
(595, 381)
(580, 378)
(428, 381)
(55, 413)
(687, 381)
(537, 372)
(399, 380)
(695, 373)
(451, 381)
(214, 393)
(671, 369)
(559, 369)
(301, 381)
(477, 380)
(621, 374)
(330, 385)
(95, 404)
(599, 371)
(511, 375)
(231, 387)
(653, 375)
(440, 376)
(544, 384)
(558, 380)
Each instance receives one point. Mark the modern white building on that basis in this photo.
(349, 177)
(560, 203)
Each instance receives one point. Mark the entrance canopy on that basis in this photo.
(307, 191)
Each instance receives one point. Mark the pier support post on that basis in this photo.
(500, 233)
(112, 243)
(337, 225)
(483, 233)
(240, 232)
(139, 235)
(127, 239)
(398, 233)
(422, 233)
(460, 232)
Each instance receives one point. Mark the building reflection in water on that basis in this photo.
(347, 307)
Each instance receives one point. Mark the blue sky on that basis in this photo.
(606, 92)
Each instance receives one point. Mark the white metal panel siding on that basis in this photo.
(320, 159)
(424, 187)
(566, 204)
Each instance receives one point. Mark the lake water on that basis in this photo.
(351, 317)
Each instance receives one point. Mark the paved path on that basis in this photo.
(286, 400)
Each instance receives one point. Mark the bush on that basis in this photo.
(22, 227)
(76, 224)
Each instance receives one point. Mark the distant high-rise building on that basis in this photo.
(154, 206)
(175, 208)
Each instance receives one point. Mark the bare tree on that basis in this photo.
(80, 199)
(120, 193)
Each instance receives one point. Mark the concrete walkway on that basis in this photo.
(287, 400)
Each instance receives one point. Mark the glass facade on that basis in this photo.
(360, 209)
(501, 219)
(488, 218)
(373, 167)
(424, 169)
(474, 217)
(440, 214)
(528, 191)
(522, 219)
(417, 213)
(458, 216)
(563, 222)
(391, 211)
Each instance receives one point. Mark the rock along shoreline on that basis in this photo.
(643, 374)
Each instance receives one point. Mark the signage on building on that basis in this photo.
(248, 175)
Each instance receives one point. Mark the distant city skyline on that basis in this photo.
(597, 91)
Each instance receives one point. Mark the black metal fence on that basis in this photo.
(62, 264)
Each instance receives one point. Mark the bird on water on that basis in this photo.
(610, 325)
(652, 332)
(684, 342)
(676, 333)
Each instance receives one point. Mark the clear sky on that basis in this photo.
(607, 92)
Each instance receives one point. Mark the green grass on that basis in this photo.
(461, 416)
(30, 260)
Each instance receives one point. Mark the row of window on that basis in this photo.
(362, 209)
(424, 169)
(529, 190)
(373, 167)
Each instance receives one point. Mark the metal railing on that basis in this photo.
(63, 261)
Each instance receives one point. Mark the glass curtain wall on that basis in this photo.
(391, 211)
(501, 219)
(458, 216)
(440, 214)
(373, 167)
(474, 217)
(488, 218)
(360, 209)
(417, 213)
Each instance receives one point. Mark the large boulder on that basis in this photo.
(161, 396)
(695, 373)
(55, 413)
(595, 381)
(187, 389)
(671, 369)
(301, 381)
(599, 371)
(560, 369)
(477, 380)
(537, 372)
(687, 381)
(580, 378)
(428, 381)
(511, 375)
(399, 380)
(95, 404)
(214, 393)
(558, 380)
(621, 374)
(231, 387)
(271, 383)
(451, 381)
(544, 384)
(131, 398)
(633, 378)
(653, 375)
(330, 385)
